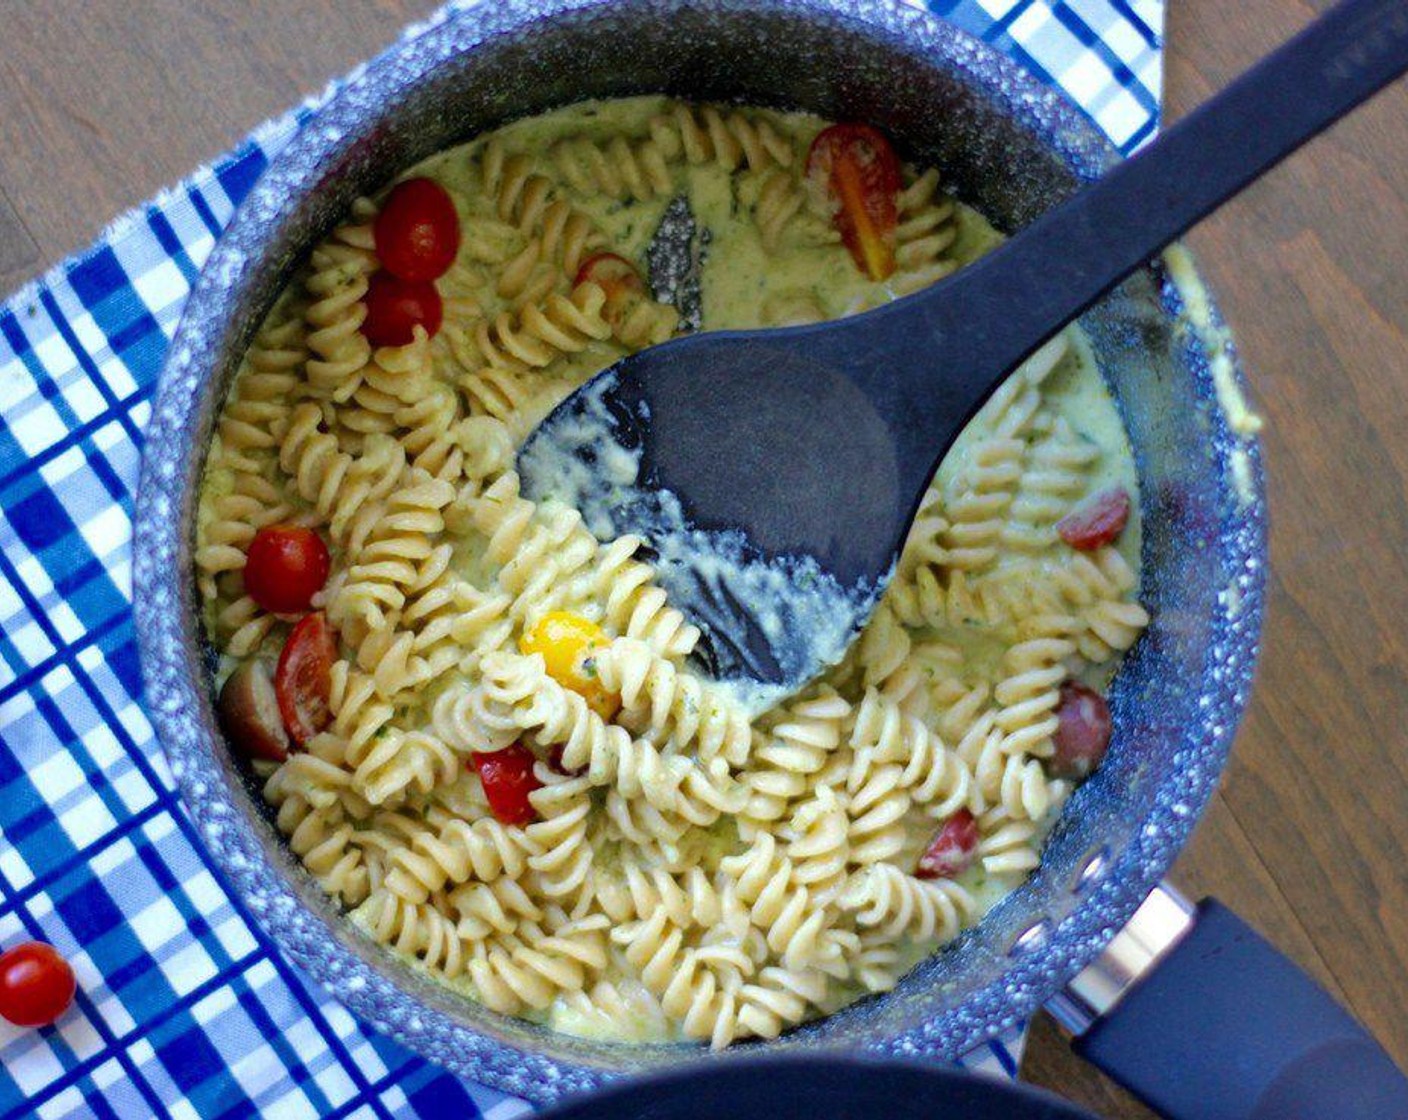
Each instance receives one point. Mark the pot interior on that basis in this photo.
(1004, 146)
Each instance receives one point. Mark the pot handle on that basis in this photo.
(1195, 1013)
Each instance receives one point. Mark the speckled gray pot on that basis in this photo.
(1008, 145)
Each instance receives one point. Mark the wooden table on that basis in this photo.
(101, 104)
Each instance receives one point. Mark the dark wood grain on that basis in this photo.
(102, 103)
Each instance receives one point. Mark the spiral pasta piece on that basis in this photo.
(668, 704)
(877, 804)
(1006, 846)
(374, 591)
(791, 751)
(564, 857)
(932, 775)
(633, 606)
(1029, 693)
(884, 646)
(636, 892)
(492, 908)
(324, 840)
(530, 970)
(402, 762)
(784, 210)
(432, 860)
(638, 822)
(336, 287)
(343, 489)
(359, 712)
(422, 931)
(820, 846)
(780, 998)
(640, 169)
(795, 926)
(501, 393)
(1057, 470)
(977, 507)
(877, 963)
(924, 236)
(1096, 586)
(539, 333)
(899, 905)
(617, 168)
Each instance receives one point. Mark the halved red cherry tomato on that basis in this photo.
(417, 232)
(249, 713)
(860, 174)
(508, 779)
(286, 566)
(395, 307)
(36, 984)
(303, 680)
(1097, 521)
(618, 278)
(952, 849)
(1082, 731)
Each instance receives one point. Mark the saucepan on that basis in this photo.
(1013, 148)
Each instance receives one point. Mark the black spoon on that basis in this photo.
(802, 453)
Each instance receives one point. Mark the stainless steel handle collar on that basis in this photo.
(1156, 927)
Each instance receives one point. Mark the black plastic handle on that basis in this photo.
(1226, 1028)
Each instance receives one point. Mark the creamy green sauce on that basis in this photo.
(742, 285)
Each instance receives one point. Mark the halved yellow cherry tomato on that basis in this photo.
(568, 643)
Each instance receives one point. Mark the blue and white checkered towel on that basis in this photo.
(184, 1008)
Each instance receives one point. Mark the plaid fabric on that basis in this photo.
(184, 1009)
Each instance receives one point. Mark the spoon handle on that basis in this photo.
(997, 311)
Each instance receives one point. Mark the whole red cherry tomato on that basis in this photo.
(395, 307)
(1097, 521)
(286, 566)
(36, 984)
(417, 232)
(1082, 731)
(952, 849)
(508, 779)
(303, 679)
(618, 278)
(857, 169)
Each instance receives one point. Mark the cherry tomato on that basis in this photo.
(618, 278)
(1097, 521)
(568, 642)
(395, 307)
(303, 680)
(249, 713)
(508, 779)
(417, 232)
(951, 851)
(1082, 732)
(860, 174)
(36, 984)
(287, 565)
